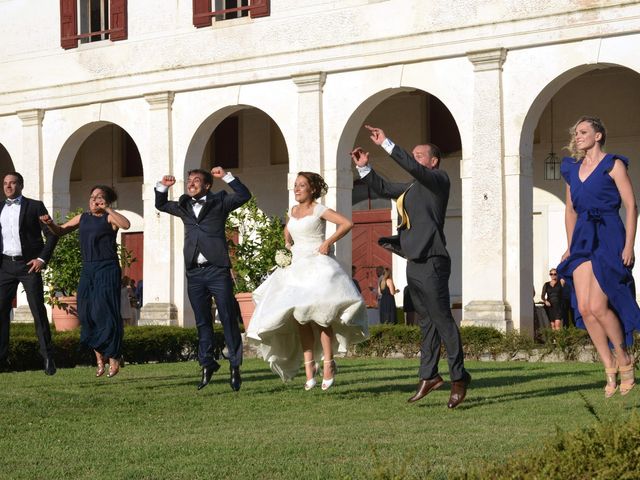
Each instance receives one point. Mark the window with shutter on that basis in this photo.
(227, 9)
(88, 21)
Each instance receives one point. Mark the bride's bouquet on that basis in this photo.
(283, 258)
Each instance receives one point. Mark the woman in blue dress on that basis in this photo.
(600, 254)
(99, 288)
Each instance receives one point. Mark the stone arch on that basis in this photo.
(430, 104)
(555, 108)
(259, 173)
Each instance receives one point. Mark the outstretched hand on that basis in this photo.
(377, 135)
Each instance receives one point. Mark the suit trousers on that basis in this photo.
(429, 286)
(202, 284)
(11, 274)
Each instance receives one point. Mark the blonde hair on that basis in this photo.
(596, 124)
(386, 275)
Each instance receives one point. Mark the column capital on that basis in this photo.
(310, 82)
(484, 60)
(160, 100)
(31, 118)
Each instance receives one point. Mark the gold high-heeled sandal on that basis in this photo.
(310, 383)
(612, 382)
(627, 378)
(100, 364)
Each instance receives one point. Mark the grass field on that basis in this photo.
(150, 422)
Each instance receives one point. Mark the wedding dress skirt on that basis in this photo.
(313, 289)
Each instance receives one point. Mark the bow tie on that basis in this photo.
(195, 202)
(15, 201)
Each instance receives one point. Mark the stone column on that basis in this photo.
(30, 166)
(484, 240)
(310, 156)
(159, 245)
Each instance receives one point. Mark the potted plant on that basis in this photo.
(253, 251)
(62, 275)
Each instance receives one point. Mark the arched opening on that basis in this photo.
(247, 142)
(409, 117)
(104, 153)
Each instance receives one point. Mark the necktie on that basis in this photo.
(195, 202)
(402, 213)
(15, 201)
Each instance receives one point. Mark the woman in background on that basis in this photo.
(553, 301)
(387, 303)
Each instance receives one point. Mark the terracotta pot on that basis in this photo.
(245, 300)
(66, 317)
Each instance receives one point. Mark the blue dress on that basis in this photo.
(599, 237)
(99, 288)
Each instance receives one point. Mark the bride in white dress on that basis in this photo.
(310, 309)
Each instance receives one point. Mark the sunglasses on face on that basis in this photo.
(553, 274)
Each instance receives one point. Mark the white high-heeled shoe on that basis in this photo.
(328, 382)
(310, 383)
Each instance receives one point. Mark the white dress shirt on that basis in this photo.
(10, 219)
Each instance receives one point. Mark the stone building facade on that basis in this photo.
(134, 90)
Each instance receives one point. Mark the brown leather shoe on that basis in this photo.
(426, 386)
(459, 390)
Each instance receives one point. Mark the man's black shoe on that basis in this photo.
(235, 380)
(49, 366)
(207, 373)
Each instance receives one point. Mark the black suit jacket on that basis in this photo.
(425, 203)
(206, 234)
(31, 231)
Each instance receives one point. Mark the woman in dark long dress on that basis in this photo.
(552, 299)
(600, 255)
(99, 287)
(387, 303)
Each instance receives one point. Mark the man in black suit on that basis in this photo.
(422, 207)
(206, 259)
(24, 255)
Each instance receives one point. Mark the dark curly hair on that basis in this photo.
(318, 186)
(110, 194)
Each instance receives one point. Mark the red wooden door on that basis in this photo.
(368, 227)
(134, 242)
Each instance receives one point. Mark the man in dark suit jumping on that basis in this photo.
(24, 255)
(422, 207)
(207, 263)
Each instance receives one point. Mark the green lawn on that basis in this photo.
(150, 422)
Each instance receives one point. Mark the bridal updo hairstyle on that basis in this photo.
(110, 194)
(318, 186)
(597, 125)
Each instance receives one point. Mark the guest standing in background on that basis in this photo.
(553, 301)
(387, 303)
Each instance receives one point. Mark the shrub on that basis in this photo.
(141, 345)
(607, 450)
(386, 339)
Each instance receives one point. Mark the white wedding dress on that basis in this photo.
(312, 289)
